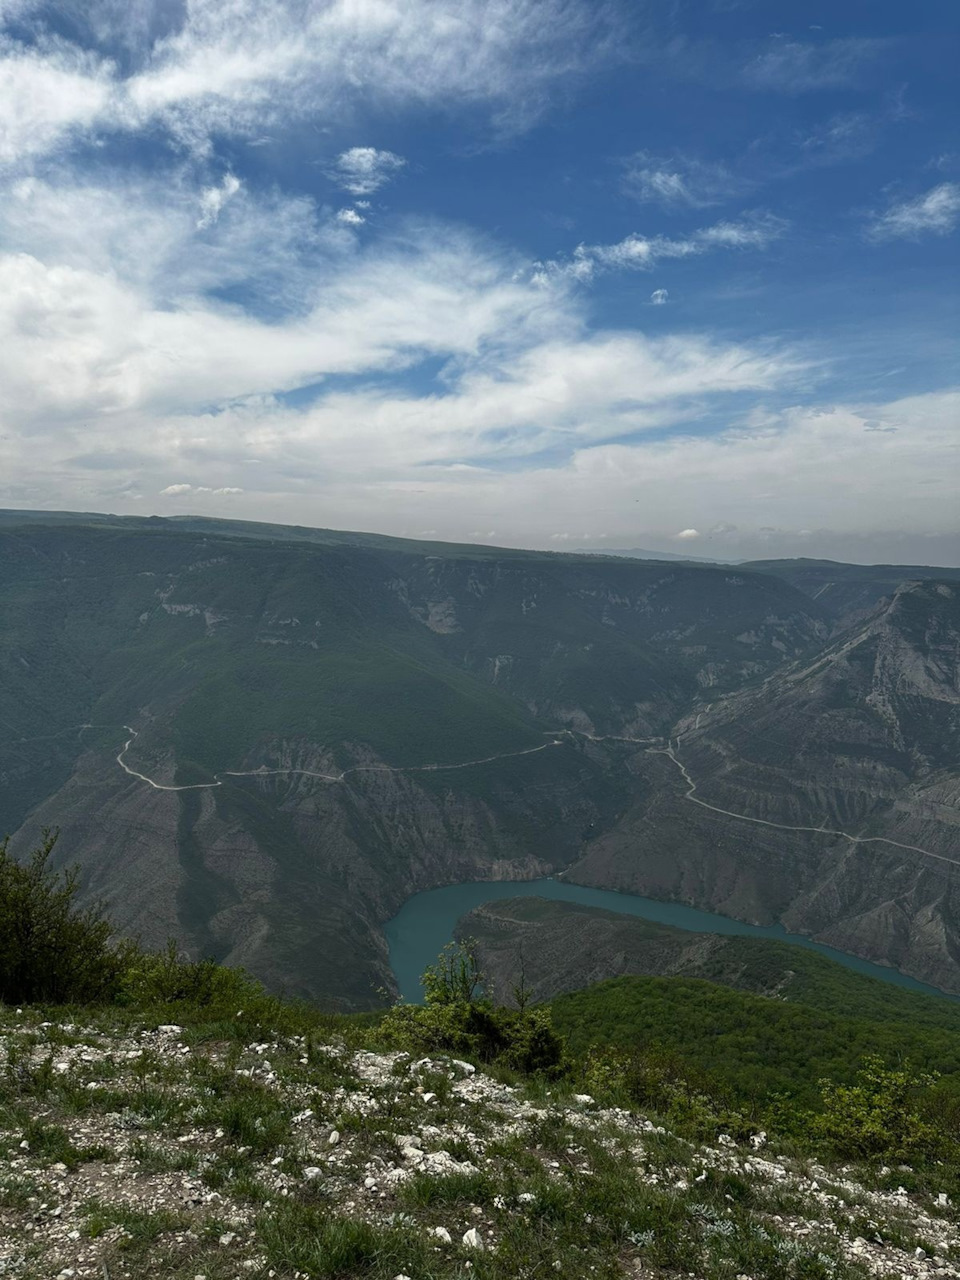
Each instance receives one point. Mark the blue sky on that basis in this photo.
(677, 275)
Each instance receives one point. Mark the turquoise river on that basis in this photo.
(425, 924)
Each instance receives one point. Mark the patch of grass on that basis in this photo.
(430, 1189)
(17, 1192)
(239, 1174)
(154, 1159)
(52, 1143)
(250, 1114)
(141, 1228)
(306, 1238)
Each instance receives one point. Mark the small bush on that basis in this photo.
(458, 1018)
(166, 977)
(655, 1081)
(878, 1116)
(50, 950)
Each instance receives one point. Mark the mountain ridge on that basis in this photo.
(301, 690)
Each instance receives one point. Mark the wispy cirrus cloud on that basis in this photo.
(637, 252)
(241, 68)
(798, 66)
(212, 199)
(936, 212)
(678, 180)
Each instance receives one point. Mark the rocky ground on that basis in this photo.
(150, 1151)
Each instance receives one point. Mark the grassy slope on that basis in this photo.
(185, 1150)
(761, 1016)
(757, 1046)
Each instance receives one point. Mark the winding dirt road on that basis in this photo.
(670, 753)
(559, 737)
(264, 772)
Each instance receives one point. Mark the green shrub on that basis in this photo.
(658, 1082)
(457, 1018)
(51, 951)
(166, 977)
(879, 1115)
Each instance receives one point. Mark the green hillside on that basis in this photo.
(755, 1046)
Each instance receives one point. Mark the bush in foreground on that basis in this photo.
(51, 951)
(459, 1018)
(878, 1117)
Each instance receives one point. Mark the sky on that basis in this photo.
(680, 275)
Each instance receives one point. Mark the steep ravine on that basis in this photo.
(230, 656)
(291, 876)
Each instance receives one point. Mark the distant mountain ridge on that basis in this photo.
(323, 723)
(848, 591)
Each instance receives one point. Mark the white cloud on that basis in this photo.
(364, 170)
(45, 93)
(687, 535)
(241, 68)
(842, 137)
(936, 212)
(659, 297)
(678, 180)
(809, 467)
(212, 200)
(795, 66)
(113, 350)
(179, 490)
(350, 218)
(641, 253)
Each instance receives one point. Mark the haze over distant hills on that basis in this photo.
(322, 723)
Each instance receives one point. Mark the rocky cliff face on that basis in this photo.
(607, 647)
(864, 740)
(290, 875)
(317, 731)
(849, 592)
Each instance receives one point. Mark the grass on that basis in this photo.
(141, 1228)
(52, 1144)
(559, 1191)
(426, 1190)
(309, 1239)
(156, 1159)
